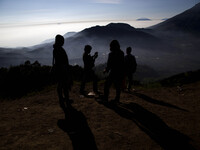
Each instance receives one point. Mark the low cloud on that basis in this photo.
(143, 19)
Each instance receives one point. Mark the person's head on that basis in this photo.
(87, 49)
(128, 50)
(59, 40)
(114, 45)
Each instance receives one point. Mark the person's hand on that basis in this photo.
(104, 71)
(95, 55)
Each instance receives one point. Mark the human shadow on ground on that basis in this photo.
(76, 126)
(152, 125)
(157, 102)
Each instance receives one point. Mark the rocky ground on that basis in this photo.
(148, 118)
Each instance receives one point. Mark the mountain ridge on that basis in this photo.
(188, 21)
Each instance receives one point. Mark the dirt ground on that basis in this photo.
(146, 119)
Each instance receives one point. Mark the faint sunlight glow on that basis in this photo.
(29, 35)
(32, 34)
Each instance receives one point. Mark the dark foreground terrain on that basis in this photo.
(149, 118)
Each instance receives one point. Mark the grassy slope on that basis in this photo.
(153, 118)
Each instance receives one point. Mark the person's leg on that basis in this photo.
(59, 90)
(107, 85)
(95, 82)
(118, 84)
(130, 81)
(82, 87)
(60, 96)
(124, 83)
(66, 93)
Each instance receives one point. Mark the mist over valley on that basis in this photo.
(167, 48)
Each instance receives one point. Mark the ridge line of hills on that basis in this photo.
(168, 48)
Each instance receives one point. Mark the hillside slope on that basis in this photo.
(149, 118)
(188, 21)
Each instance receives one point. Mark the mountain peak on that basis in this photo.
(113, 28)
(120, 25)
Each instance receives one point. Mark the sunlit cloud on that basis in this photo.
(107, 1)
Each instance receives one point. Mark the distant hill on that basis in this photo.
(126, 34)
(99, 37)
(182, 78)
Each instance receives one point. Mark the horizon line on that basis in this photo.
(6, 25)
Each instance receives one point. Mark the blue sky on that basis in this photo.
(29, 22)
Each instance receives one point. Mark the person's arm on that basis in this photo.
(53, 61)
(95, 55)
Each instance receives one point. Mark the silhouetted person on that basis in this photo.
(130, 67)
(61, 65)
(88, 72)
(115, 65)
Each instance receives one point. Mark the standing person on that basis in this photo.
(130, 67)
(88, 71)
(115, 67)
(61, 66)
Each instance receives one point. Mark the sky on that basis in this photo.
(29, 22)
